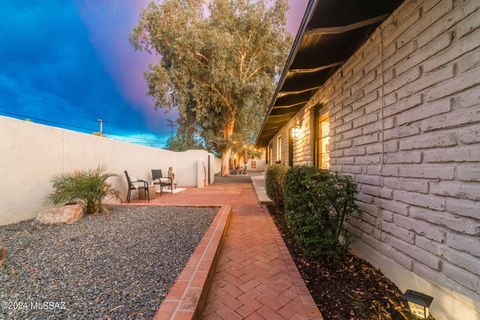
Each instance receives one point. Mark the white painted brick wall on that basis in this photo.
(405, 119)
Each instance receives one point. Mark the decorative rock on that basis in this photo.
(66, 214)
(149, 244)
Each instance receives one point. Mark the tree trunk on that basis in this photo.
(226, 162)
(90, 207)
(227, 134)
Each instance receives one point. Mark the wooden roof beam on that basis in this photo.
(289, 106)
(350, 27)
(286, 93)
(311, 70)
(282, 115)
(283, 112)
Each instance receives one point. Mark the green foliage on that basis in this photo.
(253, 152)
(218, 69)
(275, 183)
(317, 202)
(183, 143)
(88, 187)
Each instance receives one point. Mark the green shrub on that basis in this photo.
(275, 182)
(317, 202)
(87, 187)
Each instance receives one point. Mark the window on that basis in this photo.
(325, 143)
(279, 148)
(321, 138)
(290, 148)
(270, 154)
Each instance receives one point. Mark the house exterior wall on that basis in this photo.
(405, 123)
(284, 154)
(31, 154)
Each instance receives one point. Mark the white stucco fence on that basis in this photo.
(258, 163)
(31, 154)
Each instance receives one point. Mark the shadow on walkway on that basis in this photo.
(232, 179)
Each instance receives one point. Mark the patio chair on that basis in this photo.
(159, 179)
(243, 170)
(131, 186)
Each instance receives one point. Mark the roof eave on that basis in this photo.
(310, 10)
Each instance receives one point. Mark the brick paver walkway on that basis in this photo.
(255, 277)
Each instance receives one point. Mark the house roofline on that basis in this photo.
(309, 11)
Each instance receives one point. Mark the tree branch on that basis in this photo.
(201, 55)
(256, 71)
(225, 99)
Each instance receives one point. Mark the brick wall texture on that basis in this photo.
(405, 123)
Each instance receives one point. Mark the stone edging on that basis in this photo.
(187, 296)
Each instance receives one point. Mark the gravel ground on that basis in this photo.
(116, 267)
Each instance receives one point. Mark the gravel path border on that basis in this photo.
(116, 267)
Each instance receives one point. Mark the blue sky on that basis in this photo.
(70, 62)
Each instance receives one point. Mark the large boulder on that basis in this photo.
(66, 214)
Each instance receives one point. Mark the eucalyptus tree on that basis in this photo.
(217, 65)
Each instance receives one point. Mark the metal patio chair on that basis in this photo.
(131, 186)
(159, 179)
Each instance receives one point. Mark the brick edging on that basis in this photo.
(186, 298)
(308, 303)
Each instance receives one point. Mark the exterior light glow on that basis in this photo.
(418, 303)
(297, 132)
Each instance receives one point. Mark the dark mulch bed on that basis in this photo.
(353, 289)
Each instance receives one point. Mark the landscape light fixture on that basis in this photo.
(418, 303)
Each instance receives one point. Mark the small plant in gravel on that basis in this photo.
(275, 183)
(86, 187)
(317, 202)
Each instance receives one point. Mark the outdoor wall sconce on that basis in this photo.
(418, 303)
(297, 131)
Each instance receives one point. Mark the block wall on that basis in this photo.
(405, 123)
(31, 154)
